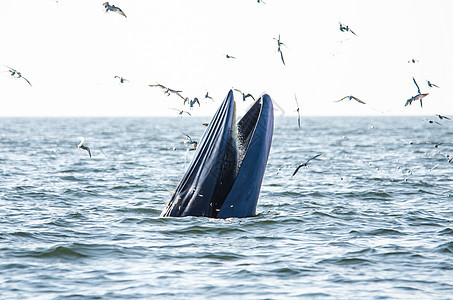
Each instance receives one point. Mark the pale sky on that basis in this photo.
(71, 50)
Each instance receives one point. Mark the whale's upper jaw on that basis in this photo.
(224, 177)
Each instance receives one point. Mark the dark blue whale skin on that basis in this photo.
(224, 177)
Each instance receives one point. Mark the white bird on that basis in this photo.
(298, 112)
(81, 146)
(17, 74)
(189, 141)
(351, 98)
(181, 112)
(122, 79)
(417, 97)
(305, 164)
(346, 28)
(113, 8)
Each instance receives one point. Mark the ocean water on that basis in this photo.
(371, 218)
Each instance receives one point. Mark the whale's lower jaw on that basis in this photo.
(224, 177)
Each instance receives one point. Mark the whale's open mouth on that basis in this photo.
(224, 177)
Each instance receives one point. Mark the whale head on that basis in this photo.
(224, 177)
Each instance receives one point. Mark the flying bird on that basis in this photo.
(245, 96)
(346, 29)
(434, 122)
(113, 8)
(413, 60)
(442, 117)
(16, 74)
(81, 146)
(430, 84)
(260, 1)
(189, 141)
(122, 79)
(417, 97)
(229, 56)
(208, 97)
(167, 91)
(181, 112)
(279, 48)
(191, 102)
(351, 98)
(298, 113)
(305, 164)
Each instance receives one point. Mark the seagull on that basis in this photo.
(434, 122)
(279, 49)
(305, 164)
(431, 84)
(167, 91)
(351, 98)
(189, 141)
(229, 56)
(442, 117)
(191, 102)
(17, 74)
(113, 8)
(436, 145)
(260, 1)
(417, 97)
(207, 96)
(346, 28)
(81, 146)
(413, 60)
(298, 113)
(181, 112)
(122, 79)
(244, 96)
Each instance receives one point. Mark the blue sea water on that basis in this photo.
(371, 218)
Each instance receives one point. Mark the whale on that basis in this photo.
(224, 177)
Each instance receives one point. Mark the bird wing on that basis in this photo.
(238, 91)
(418, 89)
(358, 100)
(82, 140)
(89, 151)
(352, 32)
(281, 55)
(11, 69)
(342, 99)
(186, 136)
(298, 113)
(195, 100)
(26, 80)
(297, 103)
(409, 101)
(174, 91)
(157, 85)
(178, 94)
(118, 10)
(317, 155)
(298, 117)
(188, 113)
(297, 169)
(249, 95)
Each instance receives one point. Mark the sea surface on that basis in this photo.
(371, 218)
